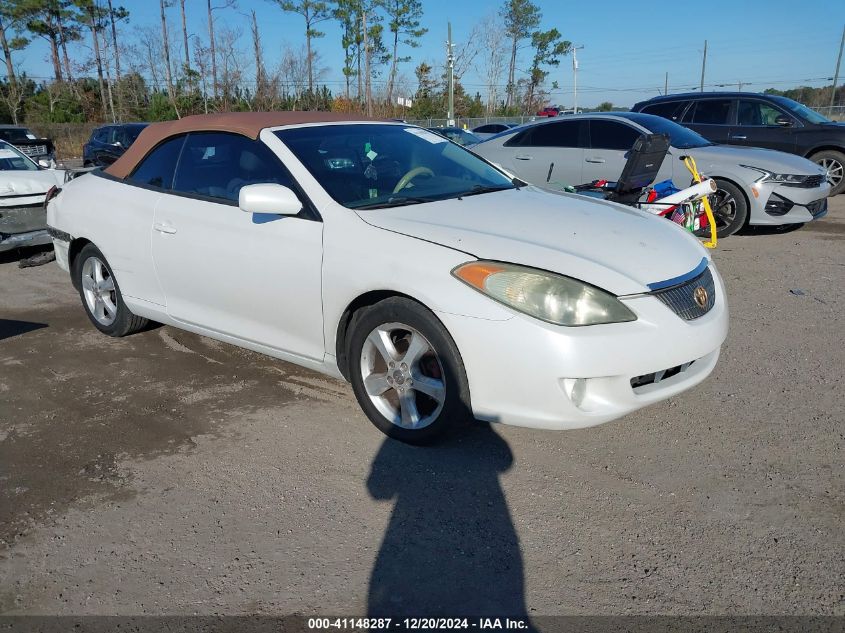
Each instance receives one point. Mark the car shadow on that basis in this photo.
(12, 327)
(777, 229)
(450, 548)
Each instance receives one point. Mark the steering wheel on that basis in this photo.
(405, 180)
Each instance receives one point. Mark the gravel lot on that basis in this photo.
(166, 473)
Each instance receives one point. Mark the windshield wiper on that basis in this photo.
(479, 189)
(397, 202)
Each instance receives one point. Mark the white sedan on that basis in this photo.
(23, 187)
(384, 254)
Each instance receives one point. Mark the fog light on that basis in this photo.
(575, 389)
(778, 205)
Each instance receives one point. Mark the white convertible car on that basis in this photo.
(382, 253)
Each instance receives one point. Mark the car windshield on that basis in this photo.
(12, 160)
(17, 134)
(803, 111)
(679, 136)
(382, 165)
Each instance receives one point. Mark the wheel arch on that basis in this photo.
(744, 195)
(73, 251)
(364, 300)
(825, 148)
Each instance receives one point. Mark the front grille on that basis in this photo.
(681, 299)
(33, 150)
(657, 376)
(813, 181)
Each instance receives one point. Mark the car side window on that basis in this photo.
(216, 165)
(753, 112)
(612, 135)
(667, 109)
(709, 112)
(158, 167)
(556, 134)
(101, 134)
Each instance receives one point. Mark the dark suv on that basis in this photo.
(108, 142)
(758, 120)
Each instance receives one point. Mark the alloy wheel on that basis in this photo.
(99, 291)
(724, 208)
(403, 376)
(834, 171)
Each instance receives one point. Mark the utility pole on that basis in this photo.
(836, 74)
(450, 60)
(703, 65)
(575, 78)
(666, 84)
(367, 66)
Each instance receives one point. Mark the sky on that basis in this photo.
(628, 46)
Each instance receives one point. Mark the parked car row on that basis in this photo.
(755, 186)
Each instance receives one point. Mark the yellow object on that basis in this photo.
(689, 163)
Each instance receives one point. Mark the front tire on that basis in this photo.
(406, 371)
(730, 209)
(833, 163)
(100, 294)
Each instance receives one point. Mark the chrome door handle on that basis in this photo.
(523, 157)
(164, 227)
(739, 138)
(595, 159)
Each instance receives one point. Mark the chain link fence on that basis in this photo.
(834, 113)
(473, 122)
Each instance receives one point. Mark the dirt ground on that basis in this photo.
(166, 473)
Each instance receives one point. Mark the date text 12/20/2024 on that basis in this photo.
(325, 624)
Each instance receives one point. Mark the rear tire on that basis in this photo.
(100, 294)
(730, 209)
(406, 371)
(833, 163)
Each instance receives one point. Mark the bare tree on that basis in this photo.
(185, 38)
(314, 12)
(260, 74)
(491, 39)
(168, 73)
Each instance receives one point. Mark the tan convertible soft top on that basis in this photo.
(246, 123)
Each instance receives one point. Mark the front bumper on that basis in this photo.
(774, 204)
(544, 376)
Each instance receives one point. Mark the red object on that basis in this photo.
(549, 111)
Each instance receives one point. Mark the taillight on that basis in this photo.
(52, 192)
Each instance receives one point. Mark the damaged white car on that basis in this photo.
(23, 187)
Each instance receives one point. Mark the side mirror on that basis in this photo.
(117, 144)
(783, 121)
(43, 162)
(269, 198)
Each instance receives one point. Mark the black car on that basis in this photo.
(758, 120)
(41, 150)
(108, 142)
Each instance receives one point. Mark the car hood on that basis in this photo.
(614, 247)
(21, 183)
(715, 156)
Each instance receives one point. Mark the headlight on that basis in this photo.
(543, 295)
(783, 179)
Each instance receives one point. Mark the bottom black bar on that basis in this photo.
(541, 624)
